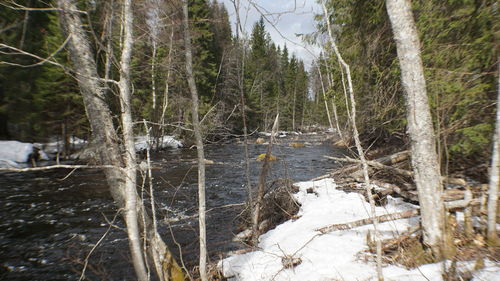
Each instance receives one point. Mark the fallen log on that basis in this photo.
(387, 160)
(383, 218)
(374, 164)
(381, 166)
(452, 194)
(450, 206)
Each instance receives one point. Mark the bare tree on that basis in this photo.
(261, 189)
(199, 142)
(494, 177)
(240, 77)
(361, 152)
(131, 198)
(424, 157)
(122, 177)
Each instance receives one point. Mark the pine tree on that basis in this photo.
(57, 97)
(205, 48)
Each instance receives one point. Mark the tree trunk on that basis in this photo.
(359, 148)
(262, 186)
(324, 96)
(131, 202)
(494, 177)
(424, 157)
(121, 179)
(199, 143)
(241, 76)
(293, 105)
(167, 84)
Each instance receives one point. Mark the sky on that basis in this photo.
(289, 17)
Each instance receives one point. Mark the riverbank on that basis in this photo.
(295, 250)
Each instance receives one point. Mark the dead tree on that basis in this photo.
(424, 157)
(361, 152)
(121, 178)
(241, 77)
(199, 142)
(262, 186)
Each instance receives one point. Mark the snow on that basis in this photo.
(333, 256)
(15, 151)
(6, 163)
(141, 143)
(56, 146)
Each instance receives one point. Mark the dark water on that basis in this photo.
(48, 225)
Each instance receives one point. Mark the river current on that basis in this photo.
(50, 220)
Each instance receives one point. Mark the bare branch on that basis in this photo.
(52, 167)
(18, 7)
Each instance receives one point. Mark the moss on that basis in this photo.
(262, 157)
(296, 144)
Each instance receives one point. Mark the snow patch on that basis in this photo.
(332, 256)
(15, 151)
(141, 143)
(56, 146)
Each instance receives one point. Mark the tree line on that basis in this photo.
(42, 100)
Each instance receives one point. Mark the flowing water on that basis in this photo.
(49, 222)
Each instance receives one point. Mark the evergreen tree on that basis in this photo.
(24, 30)
(57, 97)
(205, 48)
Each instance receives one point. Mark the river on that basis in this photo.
(50, 221)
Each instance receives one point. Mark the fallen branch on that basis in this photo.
(387, 160)
(381, 166)
(450, 206)
(383, 218)
(59, 167)
(374, 164)
(448, 194)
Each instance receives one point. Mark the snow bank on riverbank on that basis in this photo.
(334, 256)
(57, 146)
(14, 152)
(141, 143)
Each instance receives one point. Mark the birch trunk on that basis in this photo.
(120, 178)
(424, 157)
(293, 105)
(494, 177)
(324, 96)
(240, 77)
(359, 148)
(153, 75)
(167, 84)
(199, 142)
(131, 202)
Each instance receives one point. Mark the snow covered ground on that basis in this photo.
(141, 143)
(336, 255)
(14, 153)
(56, 146)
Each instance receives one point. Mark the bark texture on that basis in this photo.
(494, 178)
(199, 143)
(119, 176)
(132, 200)
(424, 157)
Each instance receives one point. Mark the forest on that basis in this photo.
(396, 102)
